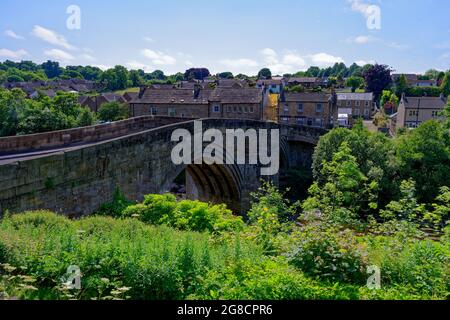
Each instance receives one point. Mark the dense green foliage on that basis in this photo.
(113, 111)
(19, 115)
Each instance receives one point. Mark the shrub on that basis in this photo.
(420, 265)
(113, 111)
(184, 215)
(328, 254)
(116, 207)
(266, 279)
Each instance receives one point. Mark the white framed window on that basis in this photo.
(153, 111)
(318, 122)
(366, 112)
(216, 108)
(286, 108)
(367, 103)
(349, 103)
(319, 108)
(356, 112)
(300, 108)
(252, 109)
(435, 113)
(300, 121)
(284, 119)
(357, 103)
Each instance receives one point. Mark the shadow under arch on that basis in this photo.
(215, 183)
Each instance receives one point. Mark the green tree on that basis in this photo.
(445, 86)
(135, 78)
(51, 69)
(265, 73)
(346, 191)
(354, 83)
(423, 154)
(113, 111)
(225, 75)
(86, 118)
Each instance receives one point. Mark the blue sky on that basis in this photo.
(228, 35)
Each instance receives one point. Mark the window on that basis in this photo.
(252, 109)
(240, 109)
(318, 122)
(172, 112)
(357, 103)
(367, 103)
(245, 109)
(356, 112)
(284, 119)
(153, 111)
(286, 108)
(319, 108)
(234, 109)
(216, 108)
(366, 112)
(301, 121)
(229, 108)
(413, 113)
(300, 108)
(349, 103)
(435, 113)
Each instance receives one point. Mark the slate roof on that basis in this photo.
(355, 96)
(424, 102)
(173, 96)
(237, 96)
(201, 96)
(306, 97)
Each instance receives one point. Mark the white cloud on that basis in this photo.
(103, 67)
(294, 59)
(362, 63)
(88, 57)
(52, 37)
(13, 35)
(289, 62)
(148, 39)
(59, 55)
(324, 59)
(189, 63)
(361, 7)
(136, 65)
(159, 58)
(361, 39)
(270, 56)
(6, 53)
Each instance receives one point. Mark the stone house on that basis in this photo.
(199, 103)
(356, 105)
(412, 111)
(308, 109)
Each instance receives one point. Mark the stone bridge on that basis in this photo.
(75, 171)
